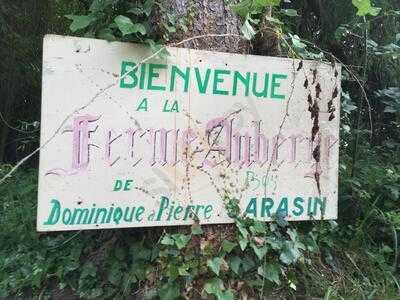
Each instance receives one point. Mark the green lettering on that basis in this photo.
(319, 205)
(54, 214)
(66, 217)
(143, 105)
(152, 75)
(275, 85)
(282, 210)
(251, 208)
(207, 211)
(139, 213)
(189, 211)
(78, 214)
(128, 71)
(246, 81)
(142, 76)
(218, 80)
(266, 206)
(184, 75)
(177, 211)
(163, 205)
(264, 91)
(202, 85)
(99, 211)
(298, 203)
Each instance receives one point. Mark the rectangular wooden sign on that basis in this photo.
(131, 140)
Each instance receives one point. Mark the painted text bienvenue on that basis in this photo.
(206, 81)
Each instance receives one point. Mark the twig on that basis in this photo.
(14, 128)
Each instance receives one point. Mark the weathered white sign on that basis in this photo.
(129, 141)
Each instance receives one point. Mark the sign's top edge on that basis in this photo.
(323, 63)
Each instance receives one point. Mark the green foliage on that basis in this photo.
(126, 26)
(355, 258)
(364, 8)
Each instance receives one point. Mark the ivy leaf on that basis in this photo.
(227, 295)
(274, 242)
(216, 287)
(364, 8)
(242, 230)
(228, 246)
(290, 252)
(215, 264)
(196, 229)
(298, 45)
(270, 272)
(169, 291)
(248, 263)
(235, 263)
(182, 270)
(260, 252)
(243, 244)
(157, 47)
(181, 240)
(213, 286)
(290, 12)
(264, 3)
(80, 22)
(126, 26)
(167, 240)
(258, 227)
(243, 8)
(140, 9)
(247, 30)
(106, 34)
(292, 234)
(99, 5)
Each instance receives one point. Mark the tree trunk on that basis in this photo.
(207, 17)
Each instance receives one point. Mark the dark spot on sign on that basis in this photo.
(316, 175)
(79, 202)
(309, 99)
(314, 72)
(335, 93)
(314, 110)
(331, 108)
(315, 129)
(300, 66)
(317, 90)
(317, 153)
(336, 73)
(306, 83)
(332, 116)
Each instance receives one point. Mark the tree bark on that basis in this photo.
(207, 17)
